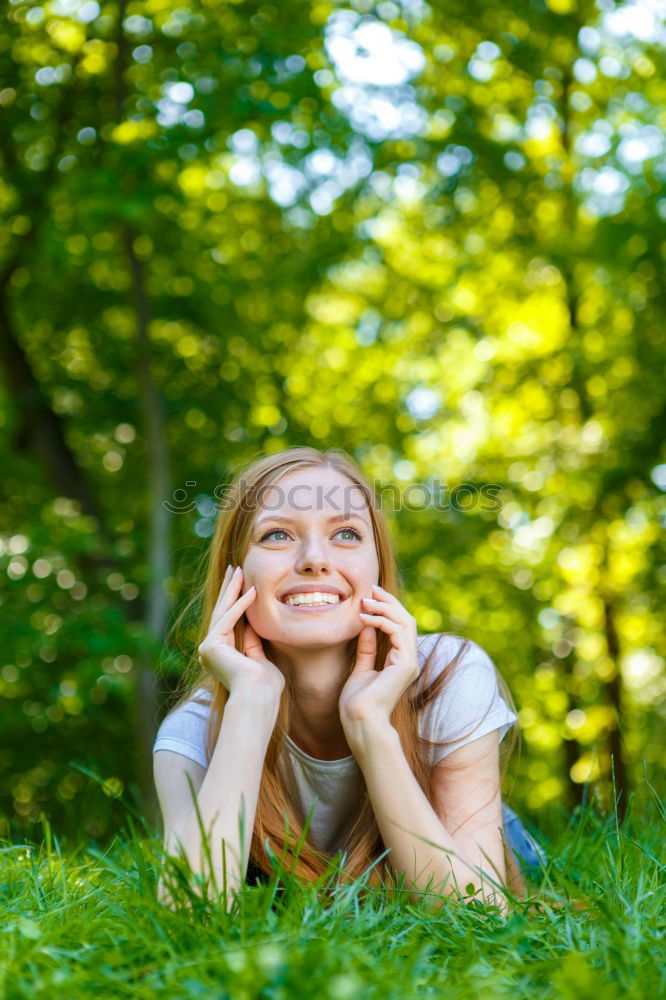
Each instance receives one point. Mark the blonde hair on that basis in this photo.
(278, 821)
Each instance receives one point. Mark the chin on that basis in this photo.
(298, 636)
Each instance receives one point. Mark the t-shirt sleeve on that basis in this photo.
(184, 729)
(470, 705)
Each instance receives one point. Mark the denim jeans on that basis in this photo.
(531, 856)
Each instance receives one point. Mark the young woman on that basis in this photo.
(314, 694)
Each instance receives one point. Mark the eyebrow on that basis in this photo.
(331, 520)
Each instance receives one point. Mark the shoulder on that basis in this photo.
(444, 648)
(184, 728)
(197, 705)
(472, 677)
(201, 696)
(469, 704)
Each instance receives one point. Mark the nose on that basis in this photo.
(312, 557)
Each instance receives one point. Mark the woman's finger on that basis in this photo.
(225, 581)
(397, 614)
(227, 596)
(223, 628)
(226, 622)
(385, 595)
(219, 649)
(366, 650)
(253, 645)
(386, 624)
(385, 607)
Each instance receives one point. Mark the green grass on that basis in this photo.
(82, 922)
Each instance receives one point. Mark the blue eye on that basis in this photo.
(280, 531)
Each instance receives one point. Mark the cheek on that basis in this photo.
(255, 571)
(367, 569)
(259, 618)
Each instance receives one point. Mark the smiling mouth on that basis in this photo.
(315, 603)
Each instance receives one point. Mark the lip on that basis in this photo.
(313, 588)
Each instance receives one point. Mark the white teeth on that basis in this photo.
(312, 599)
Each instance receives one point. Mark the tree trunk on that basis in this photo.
(158, 490)
(614, 691)
(40, 430)
(147, 700)
(571, 747)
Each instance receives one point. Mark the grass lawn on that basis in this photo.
(86, 921)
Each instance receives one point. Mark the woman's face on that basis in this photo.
(313, 533)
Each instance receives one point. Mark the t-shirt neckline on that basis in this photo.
(324, 764)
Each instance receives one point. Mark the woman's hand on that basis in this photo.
(370, 695)
(218, 653)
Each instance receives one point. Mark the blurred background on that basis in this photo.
(432, 235)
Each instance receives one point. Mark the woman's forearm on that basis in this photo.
(407, 821)
(230, 790)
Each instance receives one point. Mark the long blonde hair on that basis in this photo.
(278, 819)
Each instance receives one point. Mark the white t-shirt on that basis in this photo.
(470, 694)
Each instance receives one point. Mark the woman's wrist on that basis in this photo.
(365, 735)
(255, 700)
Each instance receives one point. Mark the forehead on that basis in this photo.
(314, 492)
